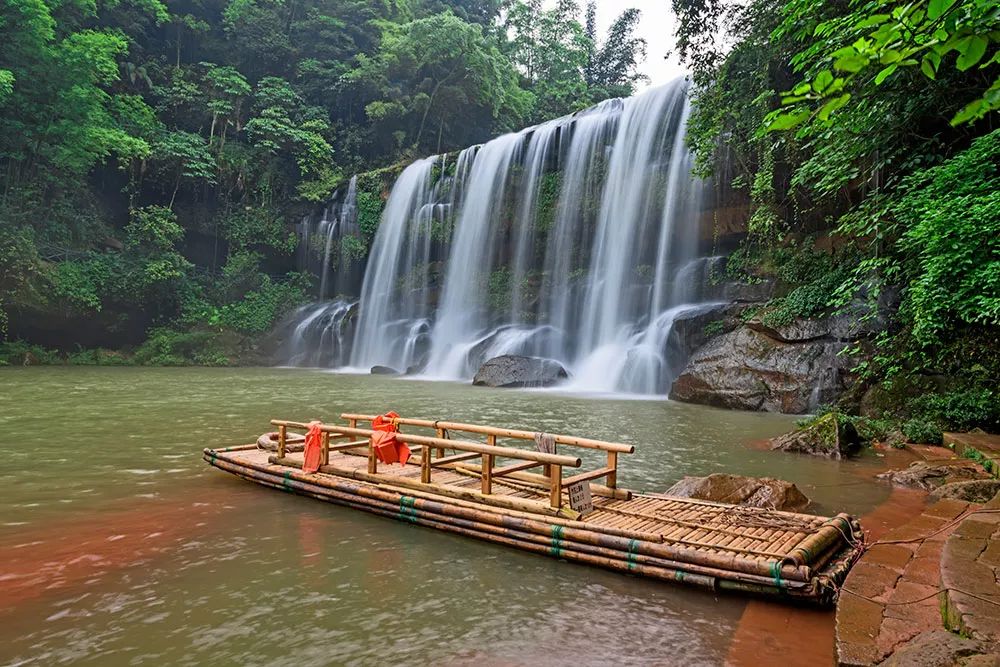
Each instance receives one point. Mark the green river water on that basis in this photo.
(120, 546)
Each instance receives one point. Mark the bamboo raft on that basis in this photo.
(482, 489)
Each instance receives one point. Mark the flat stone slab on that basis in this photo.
(970, 567)
(892, 597)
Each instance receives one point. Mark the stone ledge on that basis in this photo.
(970, 564)
(893, 594)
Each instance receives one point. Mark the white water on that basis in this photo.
(596, 281)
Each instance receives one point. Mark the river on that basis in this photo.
(119, 545)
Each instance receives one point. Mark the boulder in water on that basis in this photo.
(384, 370)
(827, 436)
(765, 492)
(514, 371)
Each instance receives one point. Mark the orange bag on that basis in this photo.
(313, 448)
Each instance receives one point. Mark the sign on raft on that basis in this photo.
(579, 497)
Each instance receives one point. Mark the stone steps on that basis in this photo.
(983, 448)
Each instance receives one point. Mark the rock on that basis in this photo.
(930, 475)
(827, 436)
(764, 492)
(938, 648)
(750, 370)
(972, 491)
(514, 371)
(798, 331)
(384, 370)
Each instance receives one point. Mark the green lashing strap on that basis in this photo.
(286, 483)
(407, 509)
(557, 536)
(213, 455)
(633, 549)
(776, 574)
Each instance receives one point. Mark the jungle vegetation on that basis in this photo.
(154, 153)
(864, 135)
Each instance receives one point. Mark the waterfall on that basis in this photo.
(463, 311)
(576, 239)
(395, 306)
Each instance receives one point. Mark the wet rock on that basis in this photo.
(940, 648)
(972, 491)
(750, 370)
(514, 371)
(764, 492)
(930, 475)
(384, 370)
(827, 436)
(797, 331)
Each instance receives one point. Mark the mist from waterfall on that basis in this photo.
(574, 240)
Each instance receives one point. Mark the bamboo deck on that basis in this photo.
(717, 546)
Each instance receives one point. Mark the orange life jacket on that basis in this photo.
(313, 449)
(387, 448)
(386, 422)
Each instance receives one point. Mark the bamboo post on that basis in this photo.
(612, 479)
(325, 455)
(487, 476)
(425, 464)
(372, 461)
(282, 429)
(556, 485)
(443, 434)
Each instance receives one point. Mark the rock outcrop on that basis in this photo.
(930, 475)
(384, 370)
(765, 492)
(515, 371)
(827, 436)
(971, 491)
(750, 369)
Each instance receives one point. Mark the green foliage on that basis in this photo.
(959, 410)
(713, 329)
(19, 353)
(370, 207)
(876, 42)
(950, 243)
(261, 308)
(922, 432)
(167, 347)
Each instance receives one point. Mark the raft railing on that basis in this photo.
(612, 449)
(552, 480)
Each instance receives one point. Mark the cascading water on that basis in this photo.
(395, 318)
(575, 240)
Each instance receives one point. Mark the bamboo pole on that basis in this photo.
(282, 434)
(587, 443)
(612, 480)
(425, 464)
(555, 482)
(325, 454)
(459, 445)
(542, 482)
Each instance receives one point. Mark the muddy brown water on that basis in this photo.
(118, 545)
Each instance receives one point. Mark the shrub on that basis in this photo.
(922, 431)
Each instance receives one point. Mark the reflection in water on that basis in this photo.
(118, 545)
